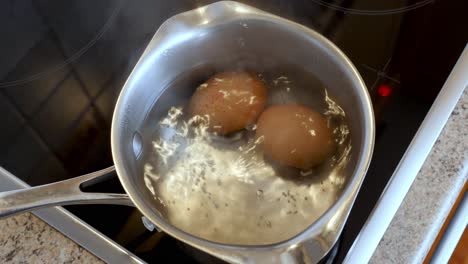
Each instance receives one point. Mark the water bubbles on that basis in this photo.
(202, 86)
(343, 133)
(259, 140)
(165, 149)
(224, 189)
(333, 108)
(171, 119)
(312, 133)
(251, 127)
(252, 99)
(224, 93)
(281, 80)
(149, 185)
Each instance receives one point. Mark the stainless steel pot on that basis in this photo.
(209, 35)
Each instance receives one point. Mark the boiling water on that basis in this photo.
(224, 190)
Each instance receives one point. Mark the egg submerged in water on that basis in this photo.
(295, 135)
(231, 101)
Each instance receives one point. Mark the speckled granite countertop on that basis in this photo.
(432, 194)
(27, 239)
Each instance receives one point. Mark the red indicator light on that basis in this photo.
(384, 90)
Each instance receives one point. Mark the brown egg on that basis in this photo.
(295, 135)
(232, 100)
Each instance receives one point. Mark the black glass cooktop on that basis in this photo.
(63, 64)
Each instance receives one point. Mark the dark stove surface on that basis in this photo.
(63, 64)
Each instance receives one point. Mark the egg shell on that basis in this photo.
(231, 100)
(295, 135)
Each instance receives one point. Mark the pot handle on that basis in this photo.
(60, 193)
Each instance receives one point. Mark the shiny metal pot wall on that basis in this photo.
(183, 46)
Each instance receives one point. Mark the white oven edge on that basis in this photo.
(409, 166)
